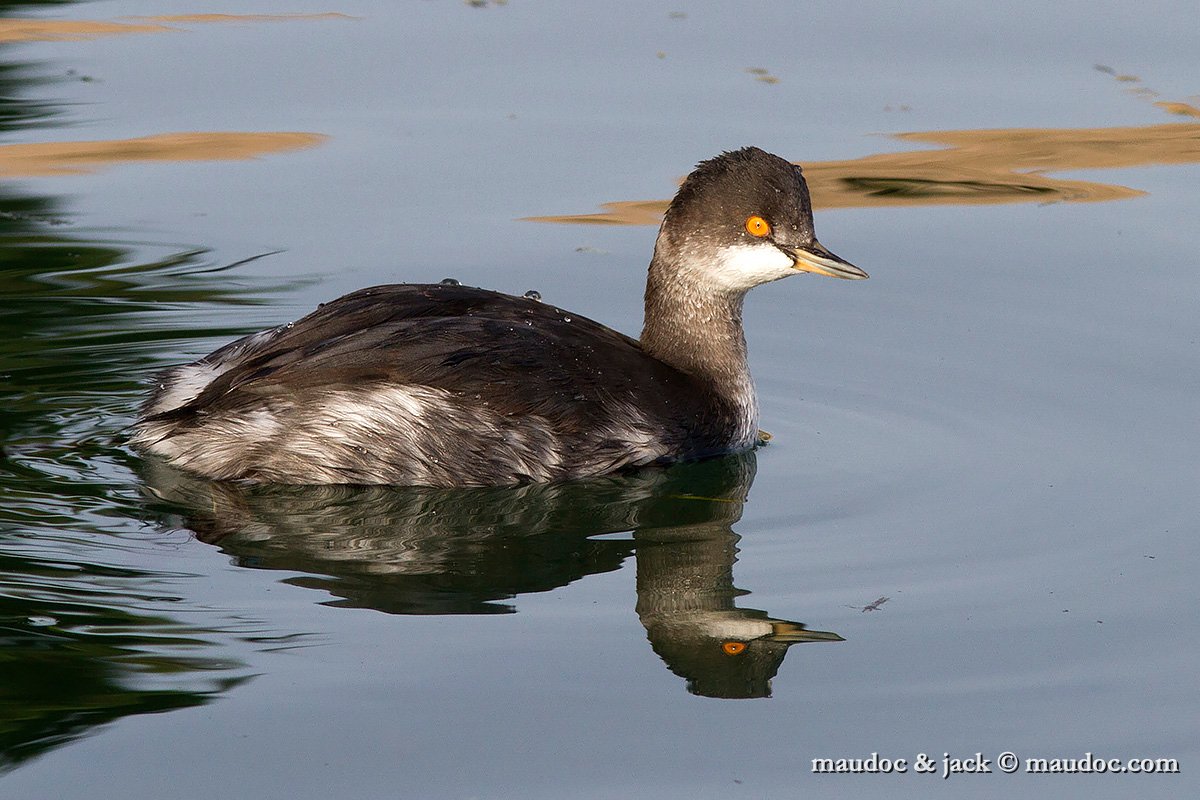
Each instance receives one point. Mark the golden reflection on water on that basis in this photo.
(68, 30)
(974, 167)
(69, 158)
(1182, 109)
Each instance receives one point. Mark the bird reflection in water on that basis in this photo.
(414, 550)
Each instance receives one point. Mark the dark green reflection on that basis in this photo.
(86, 639)
(81, 643)
(84, 642)
(76, 653)
(414, 550)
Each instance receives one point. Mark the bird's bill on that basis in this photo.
(792, 632)
(815, 258)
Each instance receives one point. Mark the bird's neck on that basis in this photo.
(699, 331)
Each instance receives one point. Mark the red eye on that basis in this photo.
(757, 226)
(733, 648)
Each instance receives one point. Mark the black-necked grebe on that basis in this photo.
(448, 385)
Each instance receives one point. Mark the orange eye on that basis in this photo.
(733, 648)
(757, 226)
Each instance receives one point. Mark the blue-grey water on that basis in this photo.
(974, 530)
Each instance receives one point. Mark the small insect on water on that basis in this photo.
(873, 606)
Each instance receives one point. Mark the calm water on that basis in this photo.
(974, 531)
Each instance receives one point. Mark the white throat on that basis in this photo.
(741, 267)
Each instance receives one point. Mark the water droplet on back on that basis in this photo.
(451, 282)
(534, 294)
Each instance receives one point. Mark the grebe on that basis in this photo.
(448, 385)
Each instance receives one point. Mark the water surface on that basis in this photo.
(973, 530)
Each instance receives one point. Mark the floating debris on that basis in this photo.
(1107, 70)
(761, 74)
(82, 78)
(1146, 93)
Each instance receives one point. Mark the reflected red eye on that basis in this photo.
(757, 226)
(733, 648)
